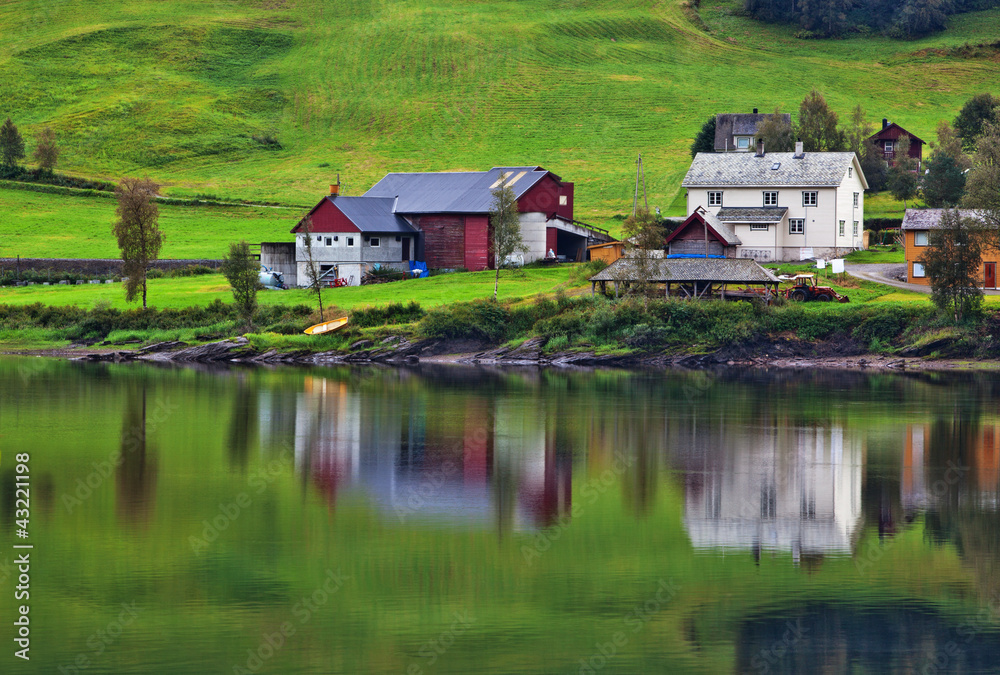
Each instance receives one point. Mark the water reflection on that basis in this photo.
(136, 473)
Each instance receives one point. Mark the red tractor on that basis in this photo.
(804, 288)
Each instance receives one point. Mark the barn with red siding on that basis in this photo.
(442, 218)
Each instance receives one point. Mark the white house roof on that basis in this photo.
(746, 169)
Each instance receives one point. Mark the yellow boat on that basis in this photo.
(326, 326)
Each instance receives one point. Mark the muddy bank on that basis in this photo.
(777, 353)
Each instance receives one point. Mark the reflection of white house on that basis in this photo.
(795, 489)
(782, 204)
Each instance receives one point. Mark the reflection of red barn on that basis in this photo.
(887, 140)
(546, 491)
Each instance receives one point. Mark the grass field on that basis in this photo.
(203, 290)
(187, 92)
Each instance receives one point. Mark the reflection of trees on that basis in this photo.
(137, 463)
(242, 425)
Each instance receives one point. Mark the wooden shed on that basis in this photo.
(608, 252)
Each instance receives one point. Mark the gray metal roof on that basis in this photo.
(930, 219)
(452, 192)
(759, 214)
(372, 214)
(728, 125)
(719, 270)
(724, 230)
(746, 169)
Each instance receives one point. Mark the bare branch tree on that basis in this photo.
(505, 229)
(46, 153)
(313, 273)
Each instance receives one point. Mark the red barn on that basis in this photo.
(887, 138)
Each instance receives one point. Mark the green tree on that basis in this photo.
(11, 145)
(857, 132)
(903, 182)
(242, 272)
(505, 229)
(828, 17)
(874, 167)
(644, 235)
(313, 274)
(46, 153)
(777, 133)
(982, 185)
(976, 112)
(705, 140)
(138, 232)
(817, 127)
(943, 183)
(952, 262)
(950, 143)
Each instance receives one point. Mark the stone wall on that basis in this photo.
(92, 266)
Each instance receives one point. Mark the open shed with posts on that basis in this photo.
(691, 277)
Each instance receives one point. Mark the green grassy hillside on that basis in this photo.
(187, 92)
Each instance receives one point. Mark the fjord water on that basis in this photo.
(453, 520)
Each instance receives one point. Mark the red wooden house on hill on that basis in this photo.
(887, 138)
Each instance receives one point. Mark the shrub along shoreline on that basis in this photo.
(634, 328)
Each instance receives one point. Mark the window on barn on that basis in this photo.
(770, 199)
(920, 238)
(329, 241)
(350, 241)
(563, 200)
(373, 242)
(715, 199)
(796, 226)
(809, 199)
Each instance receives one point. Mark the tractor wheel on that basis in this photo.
(823, 298)
(798, 296)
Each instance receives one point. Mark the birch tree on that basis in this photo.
(138, 232)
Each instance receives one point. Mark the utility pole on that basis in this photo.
(639, 175)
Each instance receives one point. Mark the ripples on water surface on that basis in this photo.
(457, 520)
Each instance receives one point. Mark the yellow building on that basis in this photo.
(916, 228)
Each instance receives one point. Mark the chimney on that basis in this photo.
(335, 189)
(798, 151)
(754, 111)
(760, 147)
(885, 123)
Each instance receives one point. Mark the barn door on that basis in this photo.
(406, 249)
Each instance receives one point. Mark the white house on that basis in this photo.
(782, 205)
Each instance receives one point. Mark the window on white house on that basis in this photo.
(563, 200)
(350, 241)
(715, 199)
(374, 242)
(758, 227)
(855, 200)
(842, 223)
(850, 173)
(855, 230)
(796, 226)
(918, 270)
(920, 238)
(742, 143)
(319, 238)
(809, 198)
(329, 241)
(770, 199)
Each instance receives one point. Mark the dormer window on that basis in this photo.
(742, 142)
